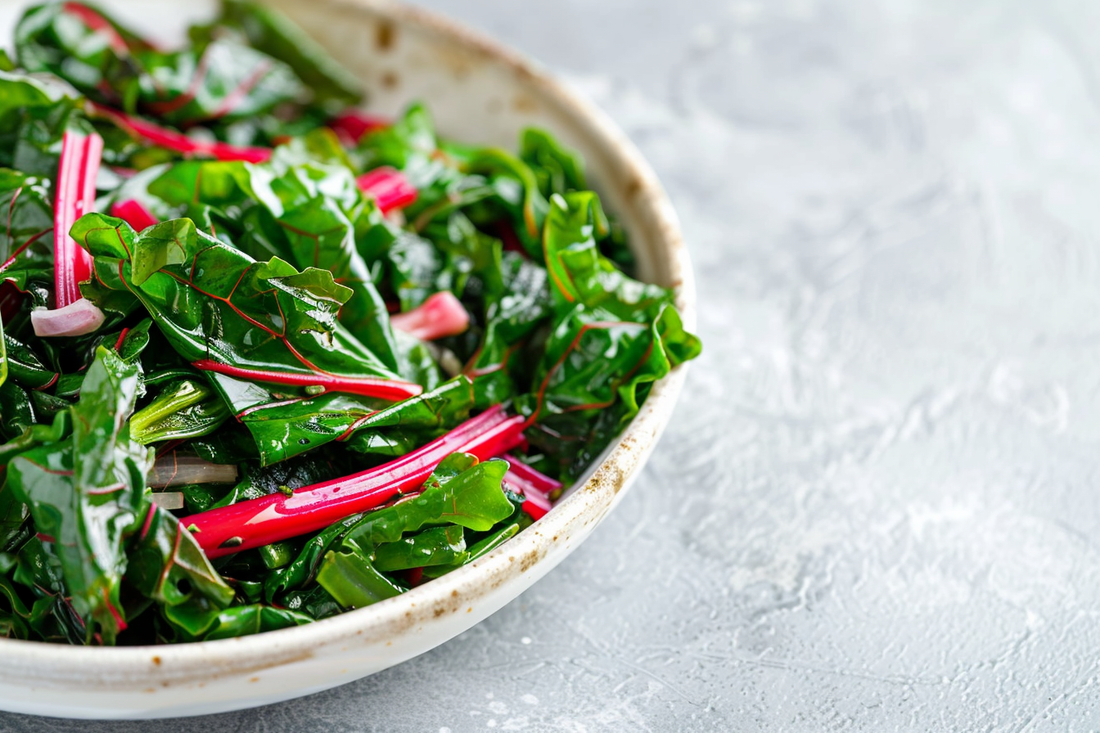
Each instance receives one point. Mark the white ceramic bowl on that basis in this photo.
(479, 92)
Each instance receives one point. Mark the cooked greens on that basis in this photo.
(265, 358)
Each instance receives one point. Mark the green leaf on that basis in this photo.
(52, 617)
(31, 138)
(224, 80)
(269, 31)
(437, 546)
(410, 146)
(458, 494)
(472, 499)
(14, 614)
(523, 307)
(349, 576)
(579, 272)
(26, 241)
(19, 91)
(3, 357)
(25, 366)
(304, 567)
(77, 43)
(478, 549)
(167, 565)
(411, 423)
(221, 80)
(185, 409)
(199, 622)
(558, 169)
(215, 303)
(305, 207)
(316, 602)
(594, 375)
(17, 412)
(475, 502)
(84, 494)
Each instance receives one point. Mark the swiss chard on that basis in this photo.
(353, 317)
(461, 493)
(85, 492)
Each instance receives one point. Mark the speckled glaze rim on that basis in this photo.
(169, 665)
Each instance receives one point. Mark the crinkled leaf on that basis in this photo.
(578, 270)
(213, 302)
(305, 207)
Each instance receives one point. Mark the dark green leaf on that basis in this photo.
(197, 622)
(16, 410)
(167, 565)
(26, 242)
(84, 494)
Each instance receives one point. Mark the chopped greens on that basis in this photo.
(357, 354)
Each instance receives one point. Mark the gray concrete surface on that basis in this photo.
(876, 508)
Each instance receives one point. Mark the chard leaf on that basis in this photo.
(270, 32)
(476, 501)
(594, 375)
(85, 493)
(17, 412)
(406, 425)
(350, 577)
(167, 565)
(26, 241)
(186, 409)
(581, 274)
(472, 498)
(224, 80)
(198, 621)
(483, 547)
(19, 91)
(305, 207)
(436, 546)
(558, 169)
(221, 80)
(461, 493)
(524, 305)
(77, 43)
(265, 322)
(3, 357)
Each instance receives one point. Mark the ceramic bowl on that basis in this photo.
(481, 92)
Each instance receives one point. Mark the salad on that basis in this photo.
(265, 357)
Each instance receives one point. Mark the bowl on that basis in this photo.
(480, 92)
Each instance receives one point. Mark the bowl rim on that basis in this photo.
(589, 500)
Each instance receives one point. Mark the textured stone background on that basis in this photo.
(875, 508)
